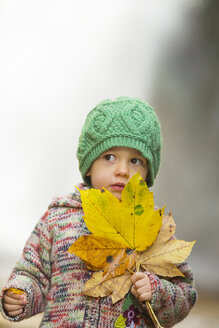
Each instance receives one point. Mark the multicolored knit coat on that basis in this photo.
(54, 280)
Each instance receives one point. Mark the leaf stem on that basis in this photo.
(152, 315)
(148, 305)
(137, 266)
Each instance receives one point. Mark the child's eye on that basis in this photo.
(136, 161)
(109, 157)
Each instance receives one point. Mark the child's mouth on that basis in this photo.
(118, 186)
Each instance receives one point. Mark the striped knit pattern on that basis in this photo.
(54, 279)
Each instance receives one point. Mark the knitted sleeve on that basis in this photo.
(173, 299)
(32, 271)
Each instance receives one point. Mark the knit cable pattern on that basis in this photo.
(124, 122)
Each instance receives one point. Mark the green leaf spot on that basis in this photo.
(139, 210)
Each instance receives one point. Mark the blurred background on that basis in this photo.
(58, 59)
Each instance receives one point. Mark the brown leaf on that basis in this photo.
(160, 257)
(117, 287)
(162, 268)
(102, 253)
(116, 266)
(167, 230)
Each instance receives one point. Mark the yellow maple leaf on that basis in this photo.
(133, 223)
(126, 233)
(119, 229)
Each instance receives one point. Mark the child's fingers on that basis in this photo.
(145, 297)
(141, 288)
(13, 307)
(137, 276)
(16, 296)
(134, 291)
(12, 294)
(14, 301)
(14, 313)
(142, 294)
(144, 282)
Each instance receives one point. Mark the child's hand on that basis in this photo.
(141, 288)
(14, 303)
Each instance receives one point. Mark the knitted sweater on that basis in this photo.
(54, 280)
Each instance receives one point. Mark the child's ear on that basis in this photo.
(88, 173)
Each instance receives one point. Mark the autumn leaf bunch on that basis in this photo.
(126, 236)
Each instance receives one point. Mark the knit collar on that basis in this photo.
(72, 200)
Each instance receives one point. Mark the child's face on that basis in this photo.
(113, 169)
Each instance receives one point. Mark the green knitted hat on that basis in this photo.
(123, 122)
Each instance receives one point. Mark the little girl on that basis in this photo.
(119, 138)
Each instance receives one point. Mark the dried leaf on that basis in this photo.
(161, 268)
(99, 253)
(165, 252)
(167, 230)
(117, 287)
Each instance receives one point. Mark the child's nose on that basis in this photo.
(122, 169)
